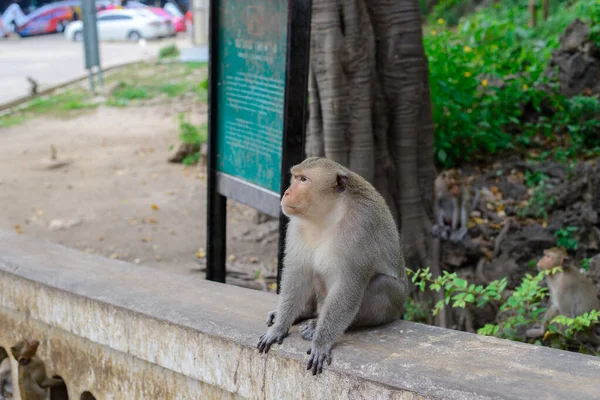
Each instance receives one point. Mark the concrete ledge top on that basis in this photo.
(429, 361)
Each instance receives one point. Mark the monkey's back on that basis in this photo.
(375, 230)
(576, 293)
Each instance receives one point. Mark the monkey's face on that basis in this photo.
(299, 195)
(312, 193)
(549, 261)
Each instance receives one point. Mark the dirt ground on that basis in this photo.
(104, 201)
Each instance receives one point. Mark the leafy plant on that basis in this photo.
(539, 202)
(585, 264)
(488, 98)
(457, 290)
(193, 135)
(168, 51)
(533, 179)
(564, 238)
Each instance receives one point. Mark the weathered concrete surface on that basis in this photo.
(113, 328)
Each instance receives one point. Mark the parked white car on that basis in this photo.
(124, 24)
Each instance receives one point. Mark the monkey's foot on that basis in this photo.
(441, 232)
(458, 235)
(308, 329)
(270, 337)
(318, 355)
(271, 318)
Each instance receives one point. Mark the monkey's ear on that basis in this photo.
(341, 181)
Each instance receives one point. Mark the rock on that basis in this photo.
(577, 62)
(574, 36)
(58, 224)
(261, 218)
(185, 149)
(512, 191)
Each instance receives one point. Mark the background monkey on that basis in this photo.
(452, 206)
(33, 381)
(343, 252)
(571, 294)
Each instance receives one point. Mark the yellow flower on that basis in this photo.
(484, 82)
(525, 87)
(467, 49)
(441, 21)
(467, 74)
(433, 32)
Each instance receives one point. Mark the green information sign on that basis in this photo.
(258, 77)
(251, 89)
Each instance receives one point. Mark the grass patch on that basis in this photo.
(168, 51)
(174, 89)
(9, 120)
(61, 103)
(146, 81)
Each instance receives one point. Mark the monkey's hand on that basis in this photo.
(319, 353)
(271, 318)
(274, 334)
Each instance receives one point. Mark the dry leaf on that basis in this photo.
(152, 220)
(146, 239)
(158, 258)
(231, 258)
(200, 254)
(114, 256)
(488, 253)
(132, 221)
(154, 207)
(18, 229)
(273, 286)
(496, 226)
(544, 224)
(101, 238)
(253, 260)
(500, 207)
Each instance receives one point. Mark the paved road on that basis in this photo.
(51, 60)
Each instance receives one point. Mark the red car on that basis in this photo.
(170, 13)
(178, 22)
(51, 18)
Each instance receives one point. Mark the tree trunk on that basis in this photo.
(370, 106)
(545, 9)
(532, 13)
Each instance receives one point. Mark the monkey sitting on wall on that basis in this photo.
(343, 253)
(33, 381)
(571, 293)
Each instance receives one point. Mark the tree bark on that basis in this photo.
(545, 9)
(370, 107)
(532, 13)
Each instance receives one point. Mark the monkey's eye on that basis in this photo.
(301, 178)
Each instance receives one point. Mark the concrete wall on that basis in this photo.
(123, 331)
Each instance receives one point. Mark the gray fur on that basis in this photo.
(355, 271)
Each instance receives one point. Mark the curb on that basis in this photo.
(25, 99)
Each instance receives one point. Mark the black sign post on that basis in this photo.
(258, 74)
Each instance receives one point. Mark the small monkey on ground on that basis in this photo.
(571, 293)
(452, 206)
(33, 381)
(343, 253)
